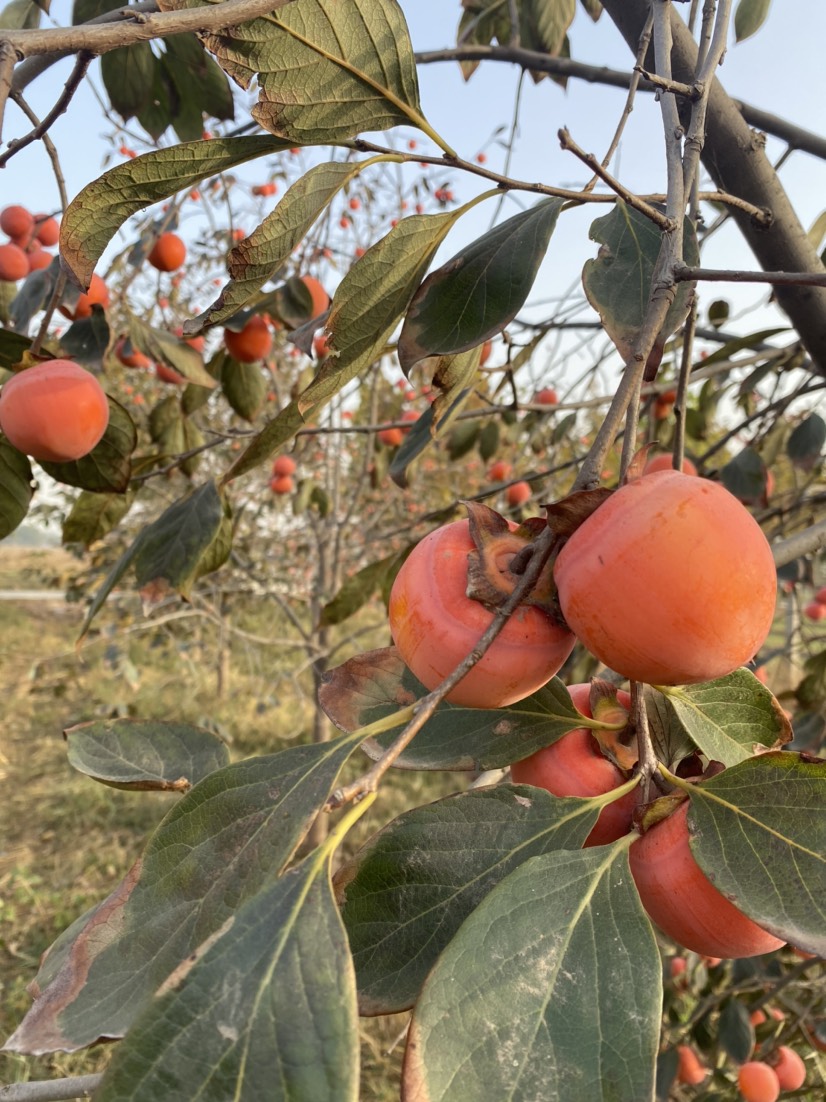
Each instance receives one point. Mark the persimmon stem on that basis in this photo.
(648, 765)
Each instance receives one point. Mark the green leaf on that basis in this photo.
(220, 845)
(735, 1031)
(298, 53)
(731, 718)
(161, 345)
(805, 444)
(196, 74)
(128, 75)
(550, 990)
(245, 387)
(594, 8)
(618, 283)
(360, 587)
(758, 831)
(257, 259)
(108, 466)
(134, 754)
(745, 476)
(16, 487)
(551, 19)
(20, 15)
(479, 290)
(404, 895)
(436, 421)
(84, 10)
(92, 516)
(366, 308)
(156, 114)
(753, 340)
(173, 547)
(265, 1010)
(12, 348)
(375, 685)
(87, 339)
(99, 210)
(749, 17)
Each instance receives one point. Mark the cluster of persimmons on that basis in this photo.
(669, 581)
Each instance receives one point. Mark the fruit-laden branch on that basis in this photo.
(794, 136)
(736, 159)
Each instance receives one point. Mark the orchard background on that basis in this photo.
(600, 255)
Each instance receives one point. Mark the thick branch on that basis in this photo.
(100, 38)
(794, 136)
(51, 1090)
(737, 161)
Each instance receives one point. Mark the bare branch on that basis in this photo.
(802, 543)
(685, 274)
(51, 1090)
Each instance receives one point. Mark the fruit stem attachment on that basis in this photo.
(544, 547)
(648, 764)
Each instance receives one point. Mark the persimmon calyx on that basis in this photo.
(566, 515)
(499, 558)
(615, 732)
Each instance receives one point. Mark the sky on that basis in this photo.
(779, 70)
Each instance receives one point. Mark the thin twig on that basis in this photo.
(51, 1090)
(722, 275)
(82, 63)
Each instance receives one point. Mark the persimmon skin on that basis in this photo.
(575, 766)
(320, 298)
(98, 294)
(435, 626)
(16, 221)
(670, 581)
(665, 462)
(689, 1068)
(518, 493)
(391, 438)
(283, 465)
(282, 484)
(789, 1068)
(758, 1082)
(55, 412)
(46, 230)
(683, 902)
(168, 253)
(250, 344)
(14, 263)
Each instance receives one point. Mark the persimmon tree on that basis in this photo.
(235, 957)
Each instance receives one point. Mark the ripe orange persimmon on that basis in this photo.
(168, 374)
(484, 355)
(435, 625)
(320, 298)
(14, 263)
(252, 343)
(758, 1082)
(815, 611)
(46, 230)
(17, 222)
(574, 765)
(283, 465)
(168, 253)
(546, 397)
(38, 259)
(282, 484)
(683, 902)
(665, 462)
(54, 412)
(789, 1068)
(689, 1068)
(499, 471)
(98, 294)
(670, 581)
(135, 358)
(391, 438)
(518, 493)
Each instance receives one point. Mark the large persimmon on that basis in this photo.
(54, 412)
(670, 581)
(683, 902)
(435, 625)
(575, 766)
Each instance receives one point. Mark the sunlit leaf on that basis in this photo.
(479, 290)
(731, 718)
(758, 831)
(550, 990)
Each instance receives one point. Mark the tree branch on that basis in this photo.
(735, 158)
(51, 1090)
(795, 136)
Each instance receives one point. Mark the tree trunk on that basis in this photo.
(734, 156)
